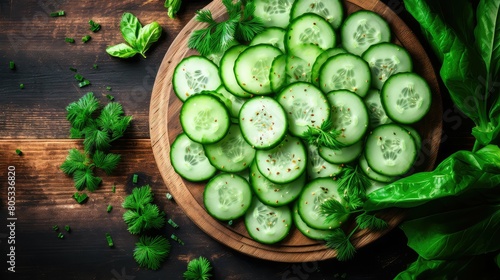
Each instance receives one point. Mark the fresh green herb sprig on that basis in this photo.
(172, 7)
(325, 136)
(94, 26)
(198, 269)
(241, 26)
(138, 38)
(150, 252)
(353, 183)
(98, 131)
(142, 214)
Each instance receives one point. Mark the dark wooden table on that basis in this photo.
(33, 120)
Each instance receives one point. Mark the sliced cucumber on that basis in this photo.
(363, 29)
(195, 74)
(345, 71)
(308, 52)
(263, 122)
(306, 230)
(314, 194)
(406, 97)
(275, 194)
(305, 105)
(232, 153)
(349, 115)
(375, 109)
(204, 118)
(236, 102)
(227, 196)
(416, 136)
(310, 28)
(284, 163)
(273, 36)
(390, 150)
(331, 10)
(268, 224)
(297, 70)
(253, 67)
(386, 59)
(318, 167)
(370, 173)
(278, 77)
(189, 161)
(342, 155)
(273, 12)
(226, 71)
(320, 60)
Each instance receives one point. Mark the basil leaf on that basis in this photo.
(121, 50)
(130, 28)
(149, 34)
(476, 229)
(488, 35)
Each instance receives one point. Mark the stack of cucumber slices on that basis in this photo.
(245, 117)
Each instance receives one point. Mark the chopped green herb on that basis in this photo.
(19, 152)
(198, 269)
(69, 40)
(79, 77)
(94, 26)
(84, 83)
(12, 65)
(110, 97)
(86, 38)
(67, 228)
(177, 239)
(151, 252)
(172, 223)
(72, 69)
(60, 235)
(230, 223)
(55, 227)
(113, 189)
(57, 13)
(109, 239)
(135, 178)
(95, 66)
(169, 196)
(80, 197)
(21, 86)
(108, 88)
(110, 207)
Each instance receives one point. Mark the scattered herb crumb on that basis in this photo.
(110, 97)
(198, 269)
(113, 189)
(230, 223)
(67, 228)
(72, 69)
(19, 152)
(55, 227)
(177, 239)
(94, 26)
(86, 38)
(109, 208)
(109, 240)
(69, 40)
(95, 66)
(108, 88)
(79, 77)
(135, 178)
(59, 13)
(172, 223)
(60, 235)
(84, 83)
(169, 196)
(21, 86)
(80, 197)
(12, 65)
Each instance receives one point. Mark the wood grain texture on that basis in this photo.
(164, 124)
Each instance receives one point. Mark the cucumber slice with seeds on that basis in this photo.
(273, 36)
(331, 10)
(345, 71)
(363, 29)
(305, 105)
(322, 58)
(189, 160)
(263, 122)
(278, 77)
(376, 111)
(318, 167)
(310, 29)
(284, 163)
(232, 153)
(195, 74)
(236, 102)
(273, 12)
(226, 71)
(227, 196)
(344, 155)
(204, 118)
(306, 230)
(297, 70)
(370, 173)
(268, 224)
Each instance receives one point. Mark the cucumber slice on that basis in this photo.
(390, 150)
(278, 77)
(263, 122)
(320, 60)
(204, 118)
(306, 230)
(189, 161)
(331, 10)
(268, 224)
(273, 36)
(253, 67)
(345, 71)
(416, 136)
(232, 153)
(376, 111)
(297, 70)
(274, 194)
(344, 155)
(226, 71)
(195, 74)
(349, 115)
(310, 29)
(386, 59)
(284, 163)
(305, 105)
(227, 196)
(236, 102)
(406, 97)
(318, 167)
(370, 173)
(314, 194)
(273, 12)
(363, 29)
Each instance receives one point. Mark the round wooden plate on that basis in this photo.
(164, 125)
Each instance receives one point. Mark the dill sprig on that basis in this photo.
(241, 26)
(142, 214)
(150, 252)
(325, 136)
(198, 269)
(353, 183)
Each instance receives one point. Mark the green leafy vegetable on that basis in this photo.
(240, 26)
(325, 136)
(150, 252)
(173, 7)
(138, 38)
(198, 269)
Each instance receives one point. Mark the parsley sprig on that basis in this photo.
(99, 127)
(150, 252)
(198, 269)
(241, 26)
(325, 136)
